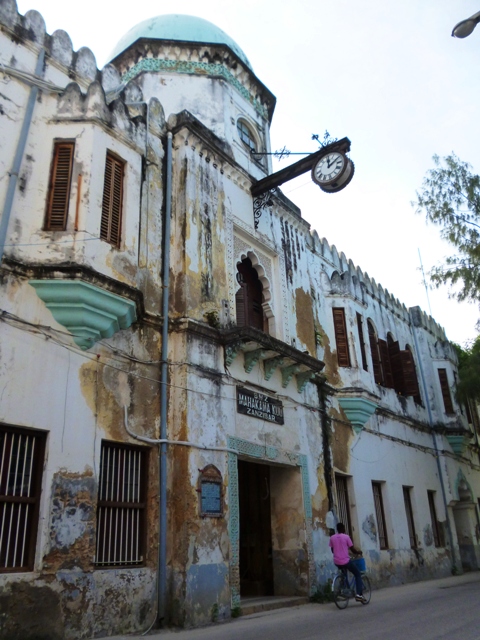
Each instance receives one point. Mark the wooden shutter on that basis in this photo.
(362, 341)
(111, 222)
(59, 186)
(410, 381)
(396, 366)
(377, 369)
(240, 308)
(447, 398)
(341, 337)
(385, 363)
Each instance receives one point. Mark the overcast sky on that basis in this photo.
(388, 75)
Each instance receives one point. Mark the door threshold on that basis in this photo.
(257, 604)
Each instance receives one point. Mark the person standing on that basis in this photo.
(340, 544)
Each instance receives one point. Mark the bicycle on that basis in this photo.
(343, 588)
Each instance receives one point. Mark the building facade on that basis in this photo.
(195, 388)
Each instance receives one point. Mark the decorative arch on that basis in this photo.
(266, 287)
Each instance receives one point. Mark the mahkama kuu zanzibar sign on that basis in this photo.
(259, 405)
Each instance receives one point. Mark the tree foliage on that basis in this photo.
(450, 198)
(468, 385)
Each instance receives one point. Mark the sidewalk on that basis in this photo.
(232, 628)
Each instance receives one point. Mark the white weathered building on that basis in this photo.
(167, 467)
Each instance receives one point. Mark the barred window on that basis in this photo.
(407, 498)
(112, 203)
(437, 529)
(343, 504)
(380, 514)
(59, 186)
(121, 508)
(21, 464)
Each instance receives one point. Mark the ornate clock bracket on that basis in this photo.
(263, 190)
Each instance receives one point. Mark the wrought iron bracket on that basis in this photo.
(260, 203)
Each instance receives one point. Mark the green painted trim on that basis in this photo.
(358, 411)
(195, 68)
(458, 443)
(88, 312)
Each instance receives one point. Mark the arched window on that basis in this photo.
(246, 135)
(249, 298)
(377, 368)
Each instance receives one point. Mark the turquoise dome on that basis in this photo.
(178, 27)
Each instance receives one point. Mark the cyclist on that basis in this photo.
(340, 544)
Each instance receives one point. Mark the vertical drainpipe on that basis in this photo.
(17, 161)
(437, 456)
(162, 543)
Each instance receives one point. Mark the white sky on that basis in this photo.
(386, 74)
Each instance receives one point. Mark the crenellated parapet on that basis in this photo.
(341, 277)
(30, 28)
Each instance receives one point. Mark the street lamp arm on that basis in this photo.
(465, 27)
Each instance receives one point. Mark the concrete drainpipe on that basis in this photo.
(162, 543)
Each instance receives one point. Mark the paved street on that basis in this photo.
(447, 608)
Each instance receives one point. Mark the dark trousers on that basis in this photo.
(358, 576)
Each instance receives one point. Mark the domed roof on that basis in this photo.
(178, 27)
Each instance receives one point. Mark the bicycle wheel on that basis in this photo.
(340, 591)
(367, 591)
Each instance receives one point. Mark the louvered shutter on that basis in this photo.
(341, 337)
(396, 367)
(447, 398)
(377, 369)
(385, 364)
(59, 186)
(110, 225)
(410, 381)
(240, 309)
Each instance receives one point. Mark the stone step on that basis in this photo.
(268, 603)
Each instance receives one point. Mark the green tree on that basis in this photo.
(450, 198)
(468, 385)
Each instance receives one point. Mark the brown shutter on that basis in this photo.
(377, 369)
(240, 309)
(385, 363)
(59, 186)
(110, 226)
(410, 381)
(341, 338)
(396, 367)
(362, 341)
(447, 398)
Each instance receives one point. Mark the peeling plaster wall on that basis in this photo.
(79, 397)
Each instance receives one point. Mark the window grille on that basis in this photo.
(407, 498)
(121, 506)
(447, 398)
(341, 337)
(436, 527)
(59, 186)
(380, 514)
(111, 222)
(343, 505)
(21, 463)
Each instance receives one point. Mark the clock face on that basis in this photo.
(329, 167)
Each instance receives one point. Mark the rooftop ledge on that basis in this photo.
(88, 312)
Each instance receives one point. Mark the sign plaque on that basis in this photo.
(258, 405)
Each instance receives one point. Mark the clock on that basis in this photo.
(333, 171)
(329, 168)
